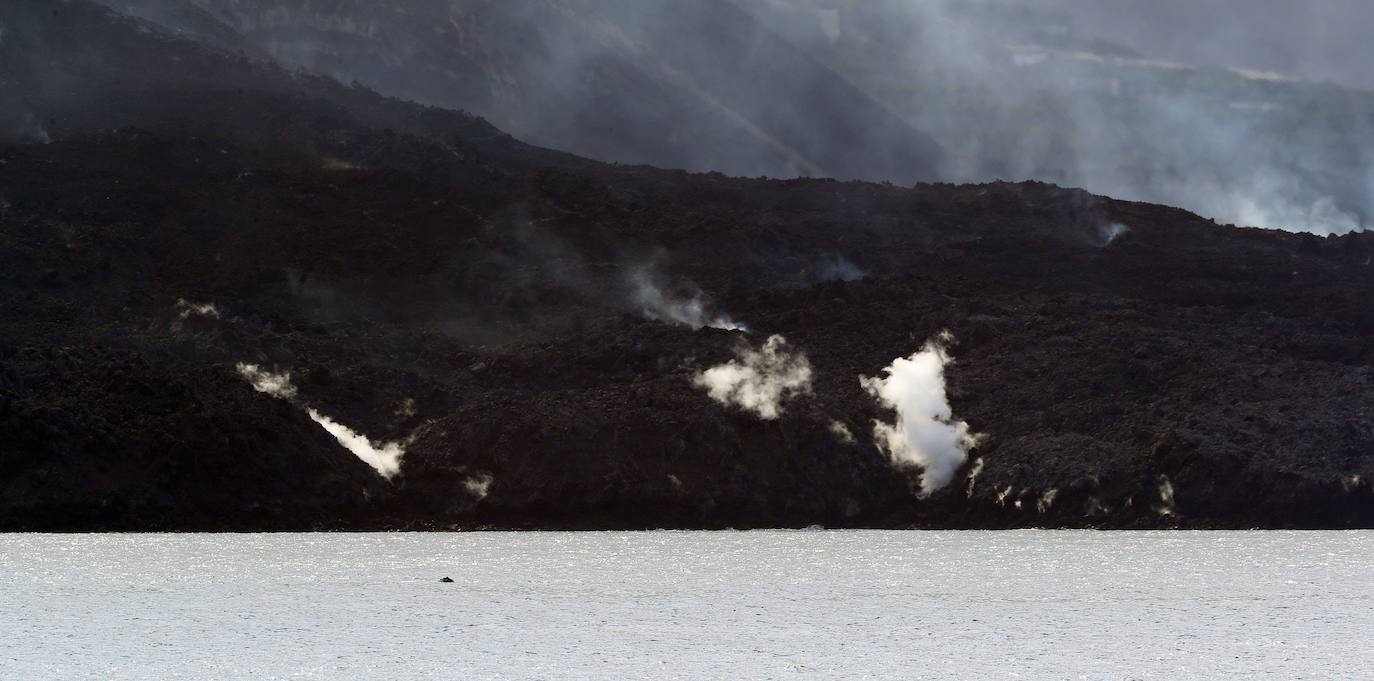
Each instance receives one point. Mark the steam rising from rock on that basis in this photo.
(973, 475)
(1106, 95)
(660, 305)
(839, 268)
(1111, 232)
(1046, 500)
(842, 432)
(1166, 496)
(925, 433)
(479, 485)
(186, 309)
(263, 381)
(759, 381)
(385, 457)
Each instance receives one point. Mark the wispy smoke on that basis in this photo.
(1166, 496)
(842, 432)
(263, 381)
(1046, 500)
(1111, 232)
(659, 304)
(385, 457)
(838, 268)
(1086, 93)
(479, 485)
(973, 475)
(759, 381)
(186, 309)
(925, 433)
(31, 130)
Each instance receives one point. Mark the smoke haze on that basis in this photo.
(658, 302)
(1214, 107)
(1031, 90)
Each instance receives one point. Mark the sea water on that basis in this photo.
(689, 605)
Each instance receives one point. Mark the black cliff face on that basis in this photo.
(429, 281)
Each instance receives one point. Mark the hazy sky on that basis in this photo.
(1313, 39)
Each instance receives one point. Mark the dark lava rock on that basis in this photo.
(429, 281)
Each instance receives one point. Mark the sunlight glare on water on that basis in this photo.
(688, 605)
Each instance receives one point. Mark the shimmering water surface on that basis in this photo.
(688, 605)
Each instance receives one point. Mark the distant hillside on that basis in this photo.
(618, 80)
(236, 297)
(1019, 90)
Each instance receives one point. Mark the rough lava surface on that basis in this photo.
(428, 279)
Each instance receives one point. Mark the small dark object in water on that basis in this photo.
(447, 580)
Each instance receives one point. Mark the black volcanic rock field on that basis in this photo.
(427, 280)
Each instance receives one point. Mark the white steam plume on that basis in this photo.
(660, 305)
(973, 475)
(759, 381)
(1166, 496)
(276, 385)
(385, 458)
(925, 433)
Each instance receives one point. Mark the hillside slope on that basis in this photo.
(616, 80)
(1032, 90)
(530, 327)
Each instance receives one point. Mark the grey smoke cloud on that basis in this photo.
(660, 303)
(1320, 40)
(835, 267)
(671, 83)
(925, 433)
(29, 129)
(1178, 102)
(759, 381)
(1102, 95)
